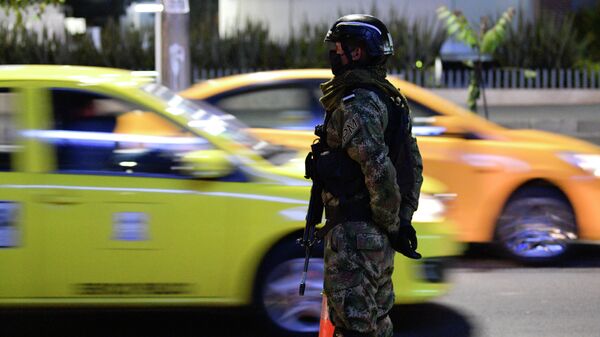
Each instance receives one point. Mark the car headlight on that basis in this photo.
(587, 162)
(432, 208)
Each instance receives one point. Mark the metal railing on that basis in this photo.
(507, 78)
(459, 78)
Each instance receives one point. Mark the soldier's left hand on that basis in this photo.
(406, 241)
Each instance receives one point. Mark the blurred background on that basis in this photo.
(505, 104)
(549, 45)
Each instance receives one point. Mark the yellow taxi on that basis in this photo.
(114, 191)
(533, 192)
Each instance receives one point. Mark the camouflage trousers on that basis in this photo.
(359, 262)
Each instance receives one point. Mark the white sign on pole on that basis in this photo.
(177, 6)
(176, 60)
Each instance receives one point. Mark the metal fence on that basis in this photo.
(459, 78)
(507, 78)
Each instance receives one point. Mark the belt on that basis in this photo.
(349, 211)
(336, 215)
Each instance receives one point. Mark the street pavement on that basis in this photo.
(500, 298)
(490, 297)
(528, 302)
(494, 297)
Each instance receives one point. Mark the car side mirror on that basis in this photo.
(206, 164)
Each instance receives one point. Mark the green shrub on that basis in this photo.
(416, 41)
(548, 42)
(248, 47)
(586, 23)
(122, 47)
(307, 49)
(125, 47)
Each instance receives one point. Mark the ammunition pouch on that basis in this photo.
(341, 176)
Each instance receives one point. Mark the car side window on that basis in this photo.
(281, 107)
(420, 112)
(98, 134)
(7, 128)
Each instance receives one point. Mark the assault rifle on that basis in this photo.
(315, 211)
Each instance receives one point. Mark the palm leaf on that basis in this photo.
(458, 26)
(492, 39)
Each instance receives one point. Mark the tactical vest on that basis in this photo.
(342, 176)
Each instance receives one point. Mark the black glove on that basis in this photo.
(405, 242)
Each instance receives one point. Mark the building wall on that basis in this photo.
(285, 16)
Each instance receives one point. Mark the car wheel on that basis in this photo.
(536, 226)
(286, 312)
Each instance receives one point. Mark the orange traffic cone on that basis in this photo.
(325, 327)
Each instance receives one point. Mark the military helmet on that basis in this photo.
(362, 27)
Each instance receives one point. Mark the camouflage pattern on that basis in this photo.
(359, 259)
(358, 125)
(359, 264)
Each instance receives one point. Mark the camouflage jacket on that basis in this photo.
(357, 124)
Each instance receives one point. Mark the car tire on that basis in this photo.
(536, 226)
(284, 311)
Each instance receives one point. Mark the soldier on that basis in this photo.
(370, 168)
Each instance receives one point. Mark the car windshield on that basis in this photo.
(213, 121)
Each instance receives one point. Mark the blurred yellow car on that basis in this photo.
(114, 191)
(531, 191)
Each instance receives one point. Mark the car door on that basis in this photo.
(447, 156)
(119, 218)
(20, 247)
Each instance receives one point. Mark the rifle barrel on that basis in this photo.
(305, 271)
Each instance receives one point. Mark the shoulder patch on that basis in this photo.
(350, 127)
(349, 97)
